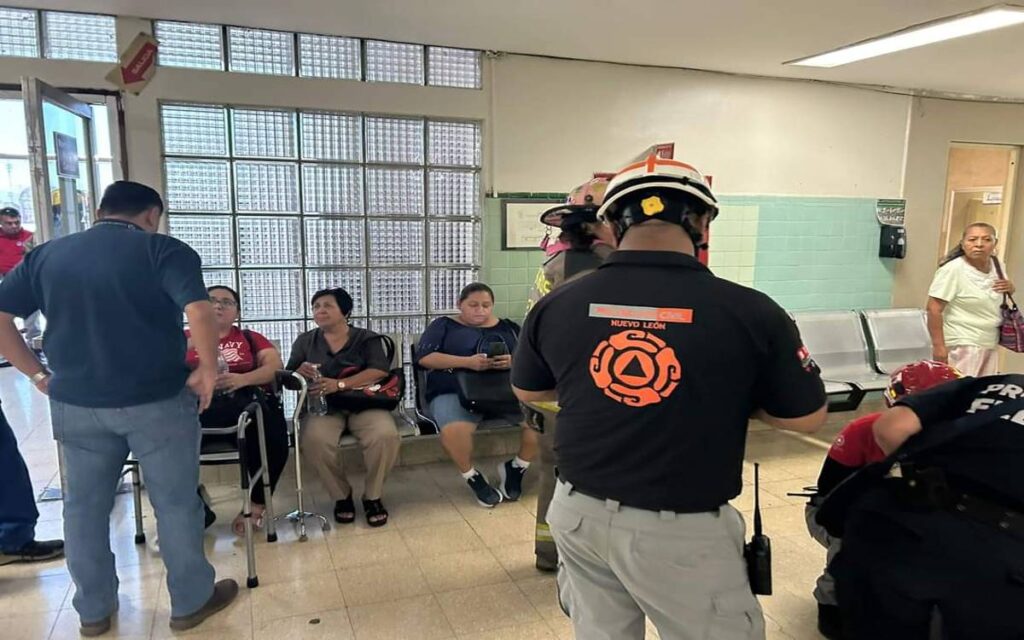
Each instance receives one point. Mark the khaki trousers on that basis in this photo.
(684, 571)
(378, 438)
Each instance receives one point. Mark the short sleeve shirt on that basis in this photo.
(972, 316)
(855, 445)
(445, 335)
(364, 350)
(987, 459)
(13, 249)
(235, 350)
(113, 297)
(658, 366)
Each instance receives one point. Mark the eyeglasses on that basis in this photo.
(224, 302)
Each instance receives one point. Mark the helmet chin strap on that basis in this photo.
(695, 236)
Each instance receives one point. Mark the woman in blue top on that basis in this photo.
(462, 342)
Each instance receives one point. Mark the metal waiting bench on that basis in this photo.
(837, 342)
(423, 414)
(897, 337)
(407, 427)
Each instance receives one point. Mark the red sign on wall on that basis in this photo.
(137, 64)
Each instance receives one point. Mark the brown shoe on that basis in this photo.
(93, 629)
(223, 593)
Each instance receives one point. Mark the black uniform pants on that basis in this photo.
(897, 566)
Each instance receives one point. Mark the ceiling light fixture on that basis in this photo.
(964, 24)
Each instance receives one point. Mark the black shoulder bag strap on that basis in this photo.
(835, 507)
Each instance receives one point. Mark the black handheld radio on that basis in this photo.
(758, 552)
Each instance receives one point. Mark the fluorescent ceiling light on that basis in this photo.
(965, 24)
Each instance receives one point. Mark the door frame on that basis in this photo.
(1007, 207)
(35, 93)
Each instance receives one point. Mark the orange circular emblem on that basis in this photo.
(635, 368)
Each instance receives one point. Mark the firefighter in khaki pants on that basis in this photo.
(658, 366)
(582, 245)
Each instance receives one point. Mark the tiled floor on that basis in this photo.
(444, 568)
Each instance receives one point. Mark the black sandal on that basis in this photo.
(376, 514)
(345, 511)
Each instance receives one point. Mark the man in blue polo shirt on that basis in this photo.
(113, 297)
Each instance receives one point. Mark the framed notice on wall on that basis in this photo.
(521, 228)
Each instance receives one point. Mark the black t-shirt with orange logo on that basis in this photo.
(658, 366)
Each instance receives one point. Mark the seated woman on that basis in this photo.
(462, 342)
(251, 361)
(339, 349)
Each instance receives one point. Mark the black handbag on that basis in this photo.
(836, 506)
(488, 392)
(385, 394)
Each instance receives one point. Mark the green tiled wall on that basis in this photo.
(820, 253)
(509, 273)
(807, 253)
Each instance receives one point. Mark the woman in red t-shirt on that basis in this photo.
(252, 361)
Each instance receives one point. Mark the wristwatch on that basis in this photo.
(341, 385)
(36, 378)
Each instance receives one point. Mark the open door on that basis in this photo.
(60, 135)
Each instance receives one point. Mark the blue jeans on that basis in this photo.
(18, 512)
(446, 409)
(164, 436)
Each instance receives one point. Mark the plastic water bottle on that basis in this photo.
(222, 368)
(222, 364)
(317, 403)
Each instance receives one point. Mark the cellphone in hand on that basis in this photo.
(497, 349)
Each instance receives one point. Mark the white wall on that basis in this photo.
(556, 121)
(934, 125)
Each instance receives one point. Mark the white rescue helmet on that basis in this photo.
(657, 189)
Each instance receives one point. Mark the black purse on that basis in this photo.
(488, 392)
(386, 394)
(836, 506)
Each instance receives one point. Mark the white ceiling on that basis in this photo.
(742, 36)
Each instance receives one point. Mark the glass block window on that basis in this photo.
(332, 136)
(269, 241)
(453, 68)
(329, 57)
(263, 133)
(332, 188)
(261, 51)
(284, 203)
(394, 140)
(399, 324)
(19, 33)
(394, 62)
(198, 186)
(267, 187)
(395, 242)
(454, 193)
(351, 280)
(188, 44)
(454, 143)
(79, 36)
(335, 242)
(392, 191)
(195, 130)
(445, 287)
(206, 234)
